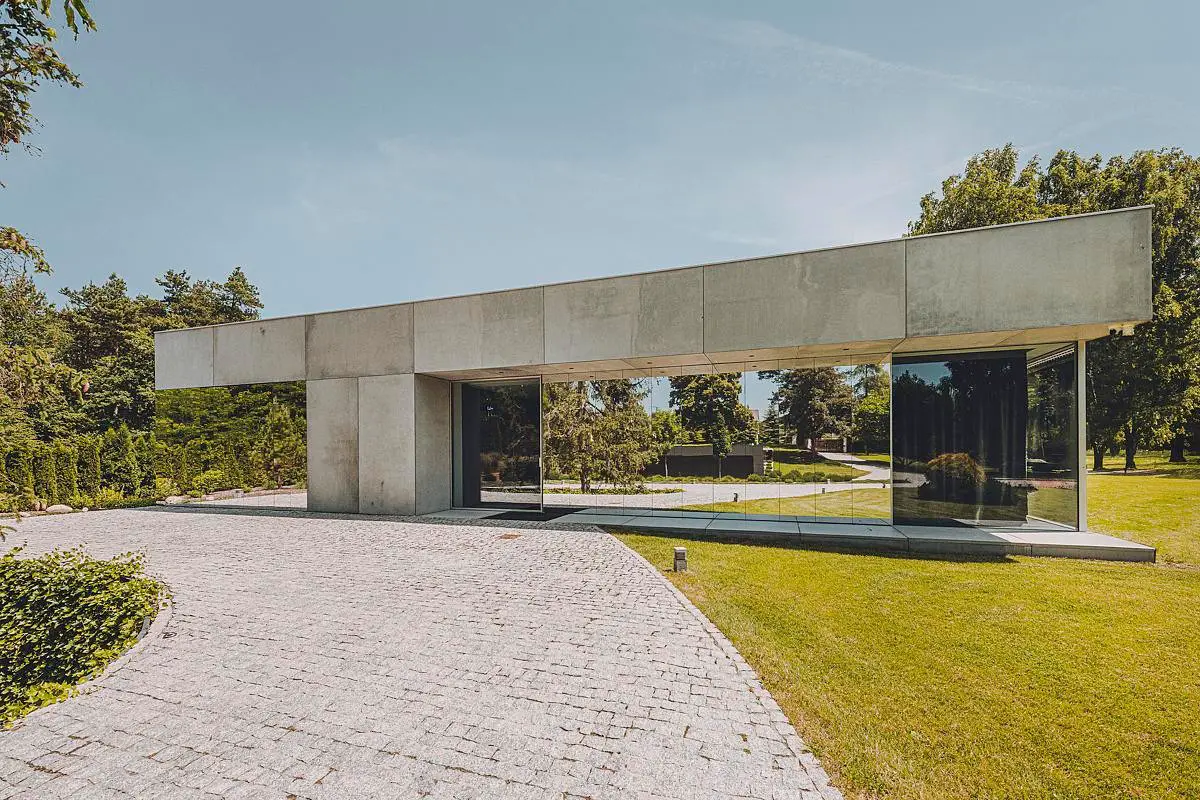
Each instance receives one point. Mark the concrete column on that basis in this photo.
(404, 444)
(432, 490)
(333, 445)
(1081, 431)
(385, 454)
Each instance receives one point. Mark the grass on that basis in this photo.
(1158, 506)
(919, 678)
(884, 459)
(1027, 677)
(864, 502)
(802, 465)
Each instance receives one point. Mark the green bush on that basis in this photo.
(20, 469)
(956, 469)
(107, 497)
(165, 487)
(118, 461)
(45, 478)
(210, 480)
(89, 465)
(67, 473)
(63, 617)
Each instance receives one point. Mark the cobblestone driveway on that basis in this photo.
(317, 657)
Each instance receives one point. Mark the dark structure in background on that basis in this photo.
(500, 444)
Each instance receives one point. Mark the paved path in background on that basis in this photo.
(872, 470)
(314, 657)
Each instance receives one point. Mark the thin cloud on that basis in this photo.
(774, 51)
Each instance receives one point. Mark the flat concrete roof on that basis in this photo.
(1028, 283)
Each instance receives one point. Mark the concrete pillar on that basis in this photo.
(333, 445)
(404, 444)
(1081, 432)
(432, 490)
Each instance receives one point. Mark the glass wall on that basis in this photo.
(799, 440)
(241, 446)
(498, 432)
(985, 438)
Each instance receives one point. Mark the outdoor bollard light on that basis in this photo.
(681, 559)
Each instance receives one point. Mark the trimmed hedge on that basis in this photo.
(64, 617)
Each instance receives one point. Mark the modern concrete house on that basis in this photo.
(983, 333)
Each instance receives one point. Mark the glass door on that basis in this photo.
(498, 444)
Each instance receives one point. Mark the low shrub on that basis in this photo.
(165, 487)
(211, 480)
(956, 469)
(64, 617)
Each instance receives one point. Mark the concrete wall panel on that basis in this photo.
(368, 341)
(1059, 272)
(385, 448)
(259, 352)
(620, 318)
(333, 445)
(183, 359)
(843, 295)
(432, 444)
(499, 329)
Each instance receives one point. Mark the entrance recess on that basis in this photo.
(498, 444)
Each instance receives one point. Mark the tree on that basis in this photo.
(598, 431)
(710, 407)
(282, 451)
(118, 461)
(666, 430)
(813, 403)
(67, 471)
(191, 303)
(27, 58)
(872, 418)
(89, 465)
(1142, 389)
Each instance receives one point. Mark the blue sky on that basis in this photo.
(356, 153)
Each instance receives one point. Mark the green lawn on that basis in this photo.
(864, 502)
(802, 465)
(1026, 677)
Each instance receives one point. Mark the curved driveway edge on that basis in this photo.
(315, 657)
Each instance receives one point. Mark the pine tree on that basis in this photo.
(45, 481)
(89, 465)
(118, 462)
(65, 460)
(144, 452)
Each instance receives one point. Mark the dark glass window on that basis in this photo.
(499, 444)
(984, 438)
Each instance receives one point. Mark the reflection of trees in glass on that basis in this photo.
(1051, 404)
(711, 410)
(666, 430)
(813, 403)
(871, 426)
(970, 405)
(508, 428)
(235, 437)
(599, 431)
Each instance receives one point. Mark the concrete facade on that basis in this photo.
(379, 413)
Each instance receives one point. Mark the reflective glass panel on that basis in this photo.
(498, 452)
(985, 438)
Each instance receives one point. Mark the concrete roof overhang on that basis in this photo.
(1031, 283)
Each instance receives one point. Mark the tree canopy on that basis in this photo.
(1143, 389)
